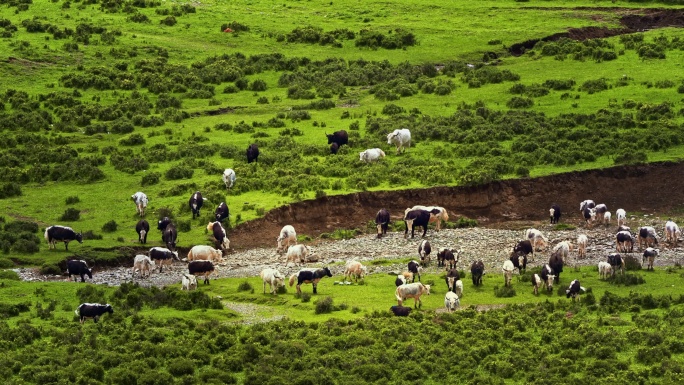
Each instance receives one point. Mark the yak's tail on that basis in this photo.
(292, 279)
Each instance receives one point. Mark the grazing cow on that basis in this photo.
(582, 242)
(624, 228)
(77, 267)
(161, 225)
(648, 237)
(523, 248)
(517, 263)
(415, 269)
(477, 271)
(273, 278)
(401, 280)
(201, 269)
(142, 228)
(340, 137)
(188, 282)
(309, 276)
(587, 204)
(411, 290)
(671, 232)
(400, 311)
(252, 153)
(447, 256)
(547, 276)
(205, 253)
(140, 200)
(649, 254)
(334, 148)
(451, 301)
(507, 272)
(222, 212)
(606, 217)
(196, 201)
(554, 213)
(297, 253)
(574, 289)
(287, 237)
(616, 262)
(624, 241)
(417, 218)
(424, 250)
(162, 256)
(142, 264)
(563, 249)
(354, 268)
(556, 263)
(621, 216)
(437, 218)
(601, 209)
(169, 236)
(219, 235)
(537, 239)
(605, 269)
(589, 216)
(536, 283)
(229, 177)
(452, 277)
(371, 155)
(382, 219)
(56, 233)
(93, 310)
(401, 138)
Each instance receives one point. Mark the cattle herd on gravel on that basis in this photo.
(203, 260)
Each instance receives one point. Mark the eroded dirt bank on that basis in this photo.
(657, 187)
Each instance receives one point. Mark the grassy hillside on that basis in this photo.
(102, 99)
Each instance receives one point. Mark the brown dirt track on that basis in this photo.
(651, 188)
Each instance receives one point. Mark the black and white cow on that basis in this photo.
(93, 310)
(252, 153)
(169, 236)
(556, 263)
(309, 276)
(77, 267)
(574, 289)
(382, 219)
(587, 204)
(56, 233)
(201, 269)
(161, 225)
(519, 261)
(196, 201)
(222, 212)
(616, 261)
(649, 255)
(477, 271)
(415, 268)
(523, 248)
(554, 213)
(162, 256)
(447, 256)
(424, 250)
(142, 228)
(415, 218)
(219, 235)
(340, 137)
(547, 277)
(141, 201)
(451, 278)
(624, 241)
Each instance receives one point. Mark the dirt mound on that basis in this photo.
(647, 188)
(632, 20)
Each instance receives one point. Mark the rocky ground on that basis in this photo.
(491, 244)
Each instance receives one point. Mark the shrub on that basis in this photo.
(8, 190)
(150, 178)
(181, 366)
(306, 297)
(72, 200)
(50, 269)
(110, 226)
(324, 305)
(70, 214)
(132, 140)
(504, 291)
(169, 20)
(245, 286)
(630, 157)
(179, 172)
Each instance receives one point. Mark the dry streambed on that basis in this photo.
(493, 246)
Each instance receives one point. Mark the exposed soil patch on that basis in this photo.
(632, 21)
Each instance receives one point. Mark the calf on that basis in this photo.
(188, 282)
(507, 272)
(447, 256)
(229, 177)
(142, 264)
(451, 301)
(355, 269)
(606, 217)
(415, 269)
(424, 250)
(382, 219)
(56, 233)
(196, 201)
(169, 236)
(219, 235)
(371, 155)
(624, 242)
(518, 263)
(574, 290)
(222, 212)
(621, 216)
(92, 310)
(589, 216)
(477, 271)
(536, 283)
(77, 268)
(273, 278)
(162, 256)
(582, 242)
(648, 237)
(161, 225)
(297, 253)
(140, 200)
(649, 254)
(616, 262)
(411, 290)
(605, 269)
(201, 269)
(548, 276)
(458, 288)
(252, 153)
(401, 280)
(142, 228)
(554, 213)
(287, 237)
(334, 148)
(671, 232)
(400, 311)
(452, 277)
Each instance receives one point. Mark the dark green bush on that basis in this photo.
(72, 200)
(8, 190)
(149, 179)
(50, 269)
(181, 366)
(132, 140)
(71, 214)
(110, 226)
(504, 291)
(179, 172)
(324, 305)
(245, 286)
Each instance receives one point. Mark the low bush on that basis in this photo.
(70, 215)
(110, 226)
(324, 305)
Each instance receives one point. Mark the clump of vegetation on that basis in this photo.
(70, 215)
(324, 305)
(110, 226)
(245, 286)
(504, 291)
